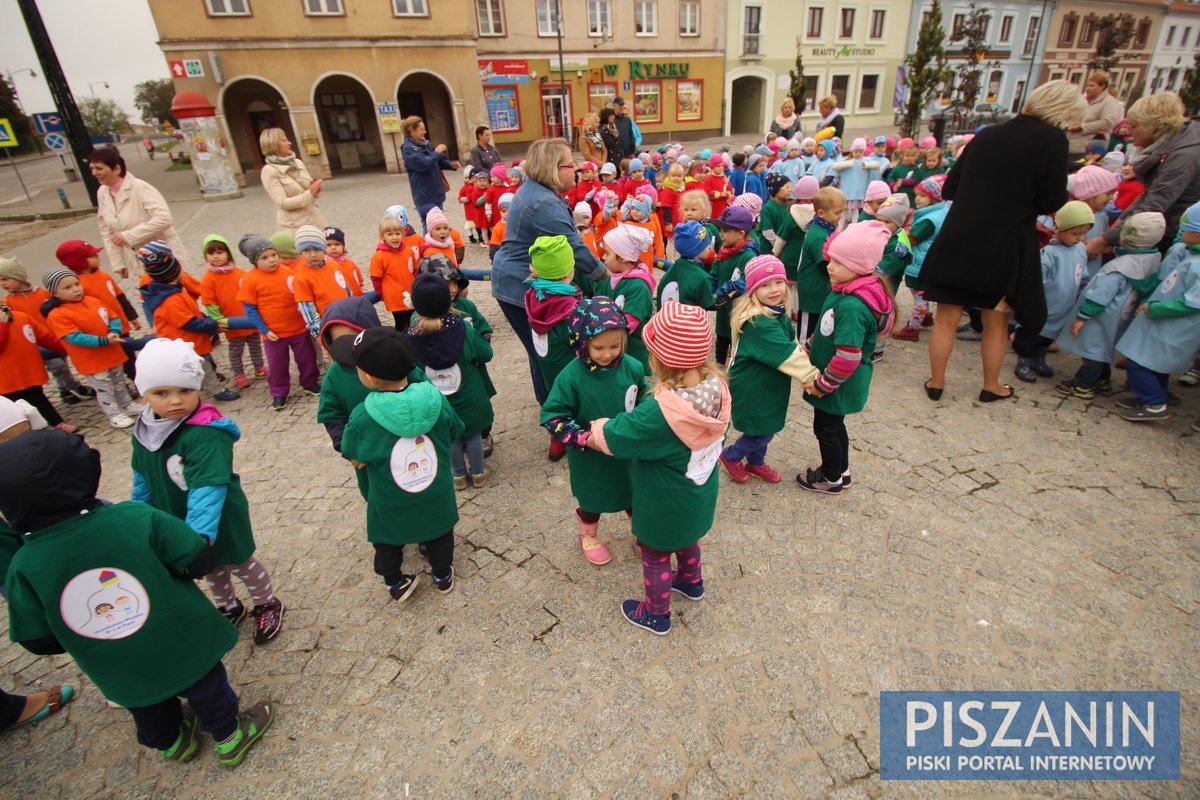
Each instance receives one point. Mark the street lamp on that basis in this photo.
(93, 84)
(9, 75)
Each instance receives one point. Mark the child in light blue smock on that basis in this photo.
(1107, 305)
(1165, 332)
(855, 174)
(1094, 186)
(822, 169)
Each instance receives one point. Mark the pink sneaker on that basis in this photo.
(593, 549)
(241, 381)
(764, 472)
(262, 372)
(67, 427)
(737, 470)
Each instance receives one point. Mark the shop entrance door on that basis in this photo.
(556, 112)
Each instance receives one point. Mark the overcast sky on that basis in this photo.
(112, 41)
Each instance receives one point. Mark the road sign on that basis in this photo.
(48, 122)
(388, 108)
(55, 141)
(7, 137)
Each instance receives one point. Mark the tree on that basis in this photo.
(973, 34)
(1189, 93)
(1113, 32)
(103, 117)
(926, 68)
(22, 126)
(796, 90)
(153, 100)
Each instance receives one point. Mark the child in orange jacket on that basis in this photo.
(218, 295)
(441, 238)
(22, 371)
(84, 260)
(392, 270)
(319, 281)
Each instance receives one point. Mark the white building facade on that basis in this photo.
(1175, 52)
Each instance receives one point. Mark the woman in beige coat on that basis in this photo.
(130, 212)
(287, 181)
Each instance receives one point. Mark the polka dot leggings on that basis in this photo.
(658, 575)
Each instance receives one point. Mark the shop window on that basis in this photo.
(1087, 31)
(645, 17)
(228, 8)
(647, 101)
(1066, 34)
(504, 114)
(811, 84)
(599, 18)
(547, 18)
(1143, 34)
(601, 95)
(410, 8)
(878, 23)
(995, 79)
(839, 85)
(323, 8)
(1032, 31)
(752, 31)
(1006, 26)
(816, 21)
(342, 121)
(846, 29)
(689, 19)
(1018, 96)
(689, 101)
(956, 27)
(491, 17)
(868, 93)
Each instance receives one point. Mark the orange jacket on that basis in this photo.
(176, 310)
(29, 303)
(273, 293)
(392, 276)
(89, 316)
(104, 288)
(322, 285)
(220, 289)
(21, 364)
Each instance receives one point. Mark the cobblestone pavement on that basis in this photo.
(1036, 544)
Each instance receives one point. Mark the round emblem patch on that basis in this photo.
(620, 302)
(541, 344)
(827, 323)
(631, 397)
(414, 464)
(291, 283)
(701, 464)
(27, 329)
(175, 471)
(447, 380)
(105, 603)
(339, 279)
(670, 293)
(1170, 282)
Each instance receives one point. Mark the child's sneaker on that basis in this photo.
(70, 398)
(67, 427)
(763, 472)
(225, 395)
(557, 450)
(692, 591)
(444, 585)
(1072, 389)
(241, 381)
(186, 744)
(488, 446)
(261, 372)
(268, 621)
(1131, 400)
(83, 392)
(1104, 387)
(1190, 378)
(1040, 366)
(252, 725)
(737, 470)
(312, 391)
(1147, 414)
(877, 356)
(847, 480)
(907, 334)
(120, 420)
(236, 614)
(461, 483)
(404, 588)
(278, 403)
(814, 480)
(1024, 370)
(480, 480)
(638, 613)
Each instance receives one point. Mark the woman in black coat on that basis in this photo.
(986, 254)
(611, 137)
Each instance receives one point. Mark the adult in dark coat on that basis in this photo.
(484, 154)
(986, 254)
(424, 164)
(611, 138)
(624, 128)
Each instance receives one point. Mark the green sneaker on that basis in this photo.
(187, 743)
(252, 725)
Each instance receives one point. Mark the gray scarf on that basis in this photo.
(153, 431)
(282, 161)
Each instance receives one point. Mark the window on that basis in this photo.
(647, 101)
(1031, 36)
(878, 21)
(1143, 34)
(956, 27)
(1183, 40)
(1170, 36)
(868, 93)
(1087, 31)
(1018, 96)
(491, 17)
(340, 110)
(811, 84)
(600, 95)
(752, 31)
(410, 8)
(995, 79)
(645, 17)
(816, 21)
(323, 8)
(228, 8)
(689, 19)
(838, 87)
(1066, 34)
(599, 18)
(689, 101)
(547, 17)
(1006, 25)
(846, 30)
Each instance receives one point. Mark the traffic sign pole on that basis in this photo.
(17, 172)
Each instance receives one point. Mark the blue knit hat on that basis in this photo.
(397, 212)
(636, 165)
(705, 154)
(337, 234)
(692, 239)
(642, 203)
(158, 260)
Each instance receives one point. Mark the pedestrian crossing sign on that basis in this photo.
(7, 137)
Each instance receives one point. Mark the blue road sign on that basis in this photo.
(55, 141)
(48, 122)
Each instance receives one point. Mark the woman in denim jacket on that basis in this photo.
(424, 164)
(538, 210)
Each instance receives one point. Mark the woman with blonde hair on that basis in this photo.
(1167, 162)
(288, 183)
(424, 164)
(986, 253)
(787, 124)
(1103, 111)
(591, 143)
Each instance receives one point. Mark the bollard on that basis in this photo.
(62, 197)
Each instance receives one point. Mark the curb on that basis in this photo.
(39, 216)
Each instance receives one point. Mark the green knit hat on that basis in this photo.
(1073, 215)
(551, 257)
(285, 244)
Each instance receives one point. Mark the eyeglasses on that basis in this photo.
(566, 166)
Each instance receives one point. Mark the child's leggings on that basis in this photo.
(723, 345)
(250, 572)
(213, 701)
(57, 366)
(920, 309)
(111, 392)
(806, 326)
(834, 443)
(751, 448)
(279, 379)
(658, 575)
(37, 398)
(238, 346)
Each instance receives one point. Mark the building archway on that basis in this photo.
(427, 96)
(348, 123)
(746, 109)
(251, 105)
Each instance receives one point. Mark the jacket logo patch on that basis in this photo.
(541, 344)
(414, 464)
(447, 380)
(104, 603)
(827, 323)
(702, 462)
(175, 471)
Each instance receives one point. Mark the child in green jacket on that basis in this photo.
(687, 280)
(812, 279)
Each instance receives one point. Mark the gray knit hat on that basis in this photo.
(13, 268)
(309, 236)
(894, 209)
(252, 246)
(52, 277)
(1143, 230)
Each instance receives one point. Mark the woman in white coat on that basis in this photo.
(287, 181)
(130, 212)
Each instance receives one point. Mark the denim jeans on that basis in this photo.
(1091, 373)
(751, 448)
(1149, 386)
(212, 700)
(519, 320)
(474, 452)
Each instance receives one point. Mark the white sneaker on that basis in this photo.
(133, 409)
(121, 421)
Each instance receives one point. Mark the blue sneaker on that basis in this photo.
(638, 614)
(225, 395)
(692, 591)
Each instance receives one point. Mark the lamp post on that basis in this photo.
(93, 84)
(37, 140)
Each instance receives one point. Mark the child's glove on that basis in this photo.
(479, 201)
(731, 289)
(901, 250)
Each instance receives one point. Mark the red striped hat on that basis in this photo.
(679, 336)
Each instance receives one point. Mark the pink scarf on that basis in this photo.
(221, 270)
(640, 272)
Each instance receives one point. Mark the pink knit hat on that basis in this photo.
(629, 241)
(1091, 181)
(679, 336)
(436, 217)
(716, 160)
(932, 187)
(928, 143)
(859, 246)
(905, 142)
(877, 190)
(749, 201)
(806, 188)
(859, 144)
(760, 270)
(500, 171)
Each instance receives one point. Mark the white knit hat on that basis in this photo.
(169, 362)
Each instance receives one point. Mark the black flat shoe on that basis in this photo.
(933, 393)
(990, 397)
